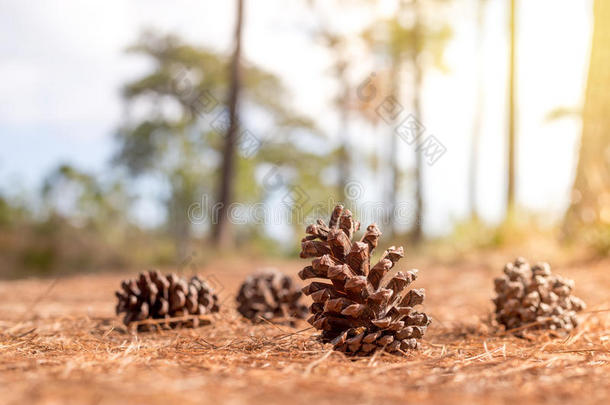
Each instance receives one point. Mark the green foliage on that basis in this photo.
(522, 229)
(474, 234)
(175, 141)
(400, 38)
(12, 212)
(40, 260)
(56, 245)
(5, 212)
(84, 199)
(597, 237)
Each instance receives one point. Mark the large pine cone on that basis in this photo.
(272, 296)
(154, 296)
(357, 312)
(533, 295)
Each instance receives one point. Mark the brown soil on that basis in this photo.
(60, 343)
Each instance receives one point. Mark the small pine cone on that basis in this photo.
(533, 295)
(357, 312)
(154, 296)
(272, 296)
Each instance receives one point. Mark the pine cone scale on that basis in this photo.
(358, 258)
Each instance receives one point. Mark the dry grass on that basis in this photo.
(61, 344)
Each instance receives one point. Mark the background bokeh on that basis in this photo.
(114, 121)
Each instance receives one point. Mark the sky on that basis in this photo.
(63, 63)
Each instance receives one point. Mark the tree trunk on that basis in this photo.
(344, 155)
(591, 190)
(417, 231)
(178, 223)
(222, 234)
(394, 185)
(478, 116)
(510, 194)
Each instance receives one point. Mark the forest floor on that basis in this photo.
(60, 343)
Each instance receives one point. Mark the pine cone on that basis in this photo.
(533, 295)
(357, 312)
(272, 296)
(154, 296)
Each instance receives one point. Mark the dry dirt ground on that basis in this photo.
(60, 343)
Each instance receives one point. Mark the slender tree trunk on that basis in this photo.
(344, 156)
(417, 232)
(223, 234)
(591, 190)
(510, 194)
(394, 186)
(179, 226)
(478, 116)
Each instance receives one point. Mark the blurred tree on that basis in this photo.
(13, 212)
(416, 38)
(85, 201)
(478, 113)
(591, 190)
(6, 211)
(337, 44)
(222, 230)
(174, 127)
(80, 224)
(510, 193)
